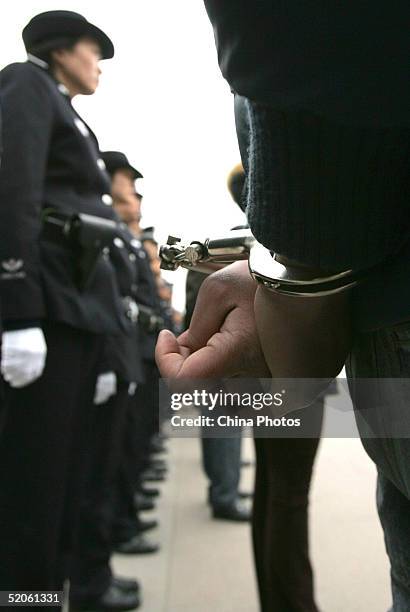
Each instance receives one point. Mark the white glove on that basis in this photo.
(24, 354)
(106, 387)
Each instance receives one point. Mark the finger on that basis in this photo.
(212, 307)
(169, 355)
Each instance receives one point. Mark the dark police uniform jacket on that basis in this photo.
(50, 161)
(123, 353)
(148, 296)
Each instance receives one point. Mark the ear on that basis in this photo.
(57, 55)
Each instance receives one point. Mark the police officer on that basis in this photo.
(128, 530)
(155, 468)
(92, 582)
(56, 310)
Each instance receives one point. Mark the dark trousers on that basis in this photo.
(384, 355)
(141, 425)
(145, 418)
(90, 572)
(280, 520)
(43, 449)
(125, 520)
(221, 459)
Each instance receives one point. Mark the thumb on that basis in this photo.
(212, 306)
(169, 355)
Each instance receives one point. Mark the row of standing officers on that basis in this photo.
(80, 315)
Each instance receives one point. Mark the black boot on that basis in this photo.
(236, 512)
(138, 545)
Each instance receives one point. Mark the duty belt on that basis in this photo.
(87, 235)
(147, 317)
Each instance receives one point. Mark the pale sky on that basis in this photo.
(163, 102)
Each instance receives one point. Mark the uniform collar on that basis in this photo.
(33, 59)
(37, 61)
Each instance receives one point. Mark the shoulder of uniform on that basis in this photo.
(13, 68)
(26, 75)
(18, 69)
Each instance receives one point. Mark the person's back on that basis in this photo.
(347, 61)
(326, 93)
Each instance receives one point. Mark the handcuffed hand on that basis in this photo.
(24, 354)
(222, 340)
(105, 387)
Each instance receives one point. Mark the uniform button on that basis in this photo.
(82, 127)
(101, 164)
(107, 199)
(136, 243)
(132, 257)
(63, 89)
(119, 243)
(142, 254)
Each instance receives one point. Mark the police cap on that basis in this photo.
(63, 25)
(114, 160)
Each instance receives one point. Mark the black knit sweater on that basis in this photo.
(323, 128)
(348, 61)
(331, 196)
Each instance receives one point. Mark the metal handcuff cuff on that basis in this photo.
(264, 267)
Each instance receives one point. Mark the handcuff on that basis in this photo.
(264, 267)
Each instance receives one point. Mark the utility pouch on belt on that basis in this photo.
(87, 236)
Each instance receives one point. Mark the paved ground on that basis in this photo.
(206, 566)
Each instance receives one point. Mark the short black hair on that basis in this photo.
(44, 50)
